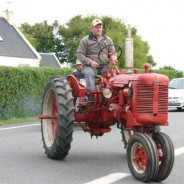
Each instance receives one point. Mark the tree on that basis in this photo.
(64, 39)
(79, 27)
(178, 73)
(44, 37)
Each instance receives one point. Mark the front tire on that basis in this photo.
(142, 157)
(166, 155)
(57, 128)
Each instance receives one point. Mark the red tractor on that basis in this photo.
(137, 103)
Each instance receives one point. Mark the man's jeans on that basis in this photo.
(90, 74)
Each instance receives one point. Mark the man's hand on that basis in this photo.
(113, 59)
(94, 64)
(113, 62)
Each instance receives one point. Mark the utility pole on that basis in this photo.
(129, 51)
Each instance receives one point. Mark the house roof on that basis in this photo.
(13, 43)
(49, 60)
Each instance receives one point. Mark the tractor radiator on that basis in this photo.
(152, 99)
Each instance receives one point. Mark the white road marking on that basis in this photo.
(23, 126)
(179, 151)
(118, 176)
(109, 178)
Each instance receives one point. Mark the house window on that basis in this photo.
(1, 39)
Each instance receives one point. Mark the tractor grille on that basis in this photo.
(146, 95)
(163, 99)
(145, 98)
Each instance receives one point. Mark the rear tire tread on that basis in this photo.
(64, 132)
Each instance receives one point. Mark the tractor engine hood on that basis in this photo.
(146, 78)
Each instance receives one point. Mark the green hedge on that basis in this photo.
(21, 90)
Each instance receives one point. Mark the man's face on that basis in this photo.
(97, 30)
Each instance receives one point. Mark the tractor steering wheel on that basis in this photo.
(104, 51)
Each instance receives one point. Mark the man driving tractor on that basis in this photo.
(88, 50)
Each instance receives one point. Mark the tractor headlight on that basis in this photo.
(107, 93)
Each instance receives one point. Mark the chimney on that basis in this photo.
(8, 15)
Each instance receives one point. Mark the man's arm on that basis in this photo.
(81, 52)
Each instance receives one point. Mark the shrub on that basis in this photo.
(21, 89)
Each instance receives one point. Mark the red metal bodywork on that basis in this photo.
(138, 100)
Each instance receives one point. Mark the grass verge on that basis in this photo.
(18, 120)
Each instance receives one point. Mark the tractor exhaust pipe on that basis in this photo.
(129, 51)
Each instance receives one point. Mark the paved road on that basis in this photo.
(90, 161)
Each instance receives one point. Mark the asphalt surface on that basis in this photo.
(22, 158)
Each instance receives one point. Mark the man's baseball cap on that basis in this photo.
(96, 22)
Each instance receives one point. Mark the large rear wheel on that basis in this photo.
(166, 155)
(57, 118)
(142, 157)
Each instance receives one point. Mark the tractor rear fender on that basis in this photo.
(78, 90)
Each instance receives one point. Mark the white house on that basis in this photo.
(49, 60)
(15, 49)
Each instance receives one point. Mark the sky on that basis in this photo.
(159, 22)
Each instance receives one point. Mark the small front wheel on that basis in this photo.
(142, 157)
(166, 155)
